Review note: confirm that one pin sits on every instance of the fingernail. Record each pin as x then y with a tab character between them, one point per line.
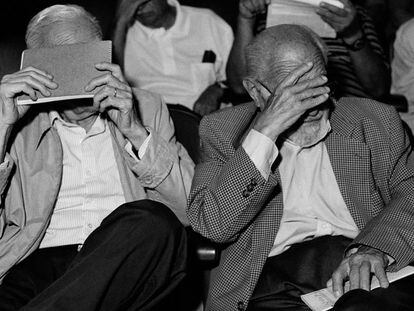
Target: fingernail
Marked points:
47	93
324	78
309	63
337	294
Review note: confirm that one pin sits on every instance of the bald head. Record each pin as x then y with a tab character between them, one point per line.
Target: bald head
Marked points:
276	51
62	24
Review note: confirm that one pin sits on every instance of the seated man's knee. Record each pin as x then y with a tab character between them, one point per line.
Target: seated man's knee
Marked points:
361	300
154	216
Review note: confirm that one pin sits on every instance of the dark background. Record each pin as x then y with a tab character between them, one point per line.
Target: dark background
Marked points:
15	14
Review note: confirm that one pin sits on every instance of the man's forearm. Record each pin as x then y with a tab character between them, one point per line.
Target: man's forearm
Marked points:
236	67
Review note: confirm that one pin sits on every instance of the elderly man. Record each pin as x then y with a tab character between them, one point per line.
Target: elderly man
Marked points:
66	167
177	51
295	180
356	59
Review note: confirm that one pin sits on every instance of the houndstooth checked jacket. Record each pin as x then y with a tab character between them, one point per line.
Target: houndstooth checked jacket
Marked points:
231	203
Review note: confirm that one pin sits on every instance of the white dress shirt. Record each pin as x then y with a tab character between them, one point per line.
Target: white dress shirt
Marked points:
169	62
312	203
91	188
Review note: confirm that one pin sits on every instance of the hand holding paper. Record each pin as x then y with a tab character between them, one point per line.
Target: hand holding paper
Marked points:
112	94
344	20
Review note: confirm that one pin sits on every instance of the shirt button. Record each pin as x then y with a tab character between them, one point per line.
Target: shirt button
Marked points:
246	194
253	181
250	187
90	226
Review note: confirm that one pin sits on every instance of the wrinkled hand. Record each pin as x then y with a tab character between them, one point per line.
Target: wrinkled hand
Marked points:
209	100
290	100
114	96
29	81
344	21
248	9
357	267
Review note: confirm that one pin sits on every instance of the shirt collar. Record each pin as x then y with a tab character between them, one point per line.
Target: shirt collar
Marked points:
98	127
181	25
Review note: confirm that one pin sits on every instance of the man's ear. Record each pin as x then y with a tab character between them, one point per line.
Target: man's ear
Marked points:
254	89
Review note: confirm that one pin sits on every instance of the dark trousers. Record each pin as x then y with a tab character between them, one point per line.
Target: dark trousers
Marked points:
306	267
134	261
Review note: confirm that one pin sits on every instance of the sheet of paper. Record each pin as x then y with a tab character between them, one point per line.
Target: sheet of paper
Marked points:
337	3
298	13
324	299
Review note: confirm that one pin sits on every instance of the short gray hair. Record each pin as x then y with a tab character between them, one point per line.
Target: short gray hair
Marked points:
38	25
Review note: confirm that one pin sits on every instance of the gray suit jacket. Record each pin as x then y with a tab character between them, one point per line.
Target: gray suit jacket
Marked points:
369	152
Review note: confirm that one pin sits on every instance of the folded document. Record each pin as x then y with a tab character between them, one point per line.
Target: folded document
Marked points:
324	299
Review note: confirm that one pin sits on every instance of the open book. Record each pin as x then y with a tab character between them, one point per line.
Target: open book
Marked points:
71	65
300	12
324	299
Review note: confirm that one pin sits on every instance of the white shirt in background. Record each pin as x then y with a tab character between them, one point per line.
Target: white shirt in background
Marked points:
169	62
312	203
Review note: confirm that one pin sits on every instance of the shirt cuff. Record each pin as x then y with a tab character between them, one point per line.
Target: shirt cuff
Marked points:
261	150
5	164
141	150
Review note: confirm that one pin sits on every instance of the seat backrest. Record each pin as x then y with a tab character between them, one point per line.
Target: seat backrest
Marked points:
186	123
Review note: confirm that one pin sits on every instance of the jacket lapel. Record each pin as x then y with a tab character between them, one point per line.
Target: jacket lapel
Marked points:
351	162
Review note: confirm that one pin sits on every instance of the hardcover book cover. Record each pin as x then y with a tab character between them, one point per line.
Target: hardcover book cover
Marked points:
72	67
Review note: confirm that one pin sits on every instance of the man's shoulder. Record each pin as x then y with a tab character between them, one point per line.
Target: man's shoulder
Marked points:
357	110
229	120
150	105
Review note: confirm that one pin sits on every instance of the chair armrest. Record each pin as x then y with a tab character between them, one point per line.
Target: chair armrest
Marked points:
398	101
202	252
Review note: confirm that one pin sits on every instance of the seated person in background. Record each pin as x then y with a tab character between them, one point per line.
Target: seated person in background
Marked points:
402	68
177	51
294	180
66	167
356	59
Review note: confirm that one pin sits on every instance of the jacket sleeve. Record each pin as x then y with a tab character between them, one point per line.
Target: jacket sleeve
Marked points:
228	191
166	169
392	231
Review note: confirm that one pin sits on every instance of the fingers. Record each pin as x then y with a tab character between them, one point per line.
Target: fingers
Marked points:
106	79
332	9
354	276
114	69
107	97
41	72
295	75
28	81
365	275
34	84
381	275
310	84
338	279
